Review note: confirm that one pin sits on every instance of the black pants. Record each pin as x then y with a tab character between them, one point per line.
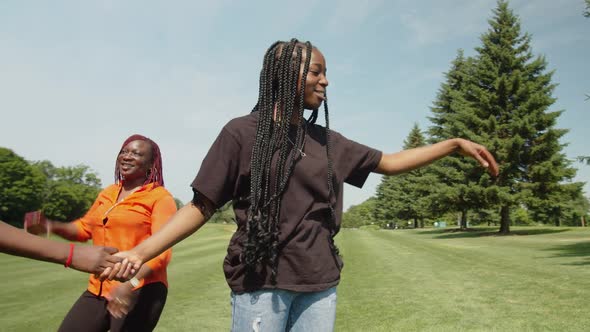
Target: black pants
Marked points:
90	314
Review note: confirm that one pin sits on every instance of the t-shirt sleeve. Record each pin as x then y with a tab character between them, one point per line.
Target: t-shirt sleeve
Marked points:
219	170
353	160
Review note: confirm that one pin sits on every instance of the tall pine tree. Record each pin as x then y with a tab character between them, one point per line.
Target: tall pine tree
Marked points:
405	196
510	100
461	185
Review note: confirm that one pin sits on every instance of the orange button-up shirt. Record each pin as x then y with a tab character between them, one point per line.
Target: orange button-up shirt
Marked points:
125	224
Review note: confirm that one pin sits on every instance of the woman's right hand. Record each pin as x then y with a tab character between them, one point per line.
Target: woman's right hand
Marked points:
124	270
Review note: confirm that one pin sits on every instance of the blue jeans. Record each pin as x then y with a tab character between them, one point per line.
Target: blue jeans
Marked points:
271	310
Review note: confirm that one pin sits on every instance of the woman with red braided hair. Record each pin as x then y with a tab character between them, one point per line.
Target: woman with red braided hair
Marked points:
123	215
285	176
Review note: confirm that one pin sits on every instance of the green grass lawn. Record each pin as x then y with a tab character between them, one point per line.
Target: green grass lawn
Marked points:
402	280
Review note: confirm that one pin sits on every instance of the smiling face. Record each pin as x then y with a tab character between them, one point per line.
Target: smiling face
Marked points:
316	81
135	160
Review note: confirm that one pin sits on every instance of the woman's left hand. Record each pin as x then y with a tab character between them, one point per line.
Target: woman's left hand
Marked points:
121	300
479	153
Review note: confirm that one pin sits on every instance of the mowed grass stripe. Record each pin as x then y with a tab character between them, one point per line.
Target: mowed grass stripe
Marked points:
38	301
410	280
36	295
48	290
198	298
461	277
486	283
383	274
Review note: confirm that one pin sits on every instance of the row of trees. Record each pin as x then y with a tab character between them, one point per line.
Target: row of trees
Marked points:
63	193
499	98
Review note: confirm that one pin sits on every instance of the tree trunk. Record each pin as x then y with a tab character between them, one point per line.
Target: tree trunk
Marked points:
583	220
464	219
557	214
504	219
415	222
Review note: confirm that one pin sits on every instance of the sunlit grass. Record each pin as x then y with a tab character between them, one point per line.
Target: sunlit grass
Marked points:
402	280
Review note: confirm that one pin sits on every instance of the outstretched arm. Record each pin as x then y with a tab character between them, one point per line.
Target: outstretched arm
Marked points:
407	160
92	259
42	226
184	223
66	230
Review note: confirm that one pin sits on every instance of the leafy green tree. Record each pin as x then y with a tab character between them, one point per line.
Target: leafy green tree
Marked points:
552	202
510	101
520	216
359	215
406	196
587	11
21	187
69	191
576	211
225	215
485	216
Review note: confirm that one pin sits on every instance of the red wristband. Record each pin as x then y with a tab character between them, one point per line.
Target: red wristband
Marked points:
70	256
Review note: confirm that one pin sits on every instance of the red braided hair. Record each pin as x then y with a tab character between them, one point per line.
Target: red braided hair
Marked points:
156	174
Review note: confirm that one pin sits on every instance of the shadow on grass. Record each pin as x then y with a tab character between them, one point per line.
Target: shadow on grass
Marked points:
579	249
456	233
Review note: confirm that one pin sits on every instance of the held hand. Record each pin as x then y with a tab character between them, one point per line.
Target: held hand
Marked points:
479	153
94	259
121	300
124	270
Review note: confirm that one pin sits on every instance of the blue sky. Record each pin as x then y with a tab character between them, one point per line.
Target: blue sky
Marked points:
78	77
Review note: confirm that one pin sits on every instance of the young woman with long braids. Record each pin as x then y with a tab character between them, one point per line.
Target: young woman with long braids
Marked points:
123	215
285	176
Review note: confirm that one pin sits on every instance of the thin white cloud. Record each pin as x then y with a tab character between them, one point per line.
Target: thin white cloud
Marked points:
441	21
344	16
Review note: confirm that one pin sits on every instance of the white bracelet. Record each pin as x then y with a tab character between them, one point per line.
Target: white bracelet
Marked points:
134	282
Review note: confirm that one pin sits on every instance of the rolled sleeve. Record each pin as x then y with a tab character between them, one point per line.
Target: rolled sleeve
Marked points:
84	224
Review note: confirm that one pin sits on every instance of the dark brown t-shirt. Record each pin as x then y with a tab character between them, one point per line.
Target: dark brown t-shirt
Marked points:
305	263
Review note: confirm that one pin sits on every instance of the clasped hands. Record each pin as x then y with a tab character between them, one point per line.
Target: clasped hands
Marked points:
124	270
123	298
